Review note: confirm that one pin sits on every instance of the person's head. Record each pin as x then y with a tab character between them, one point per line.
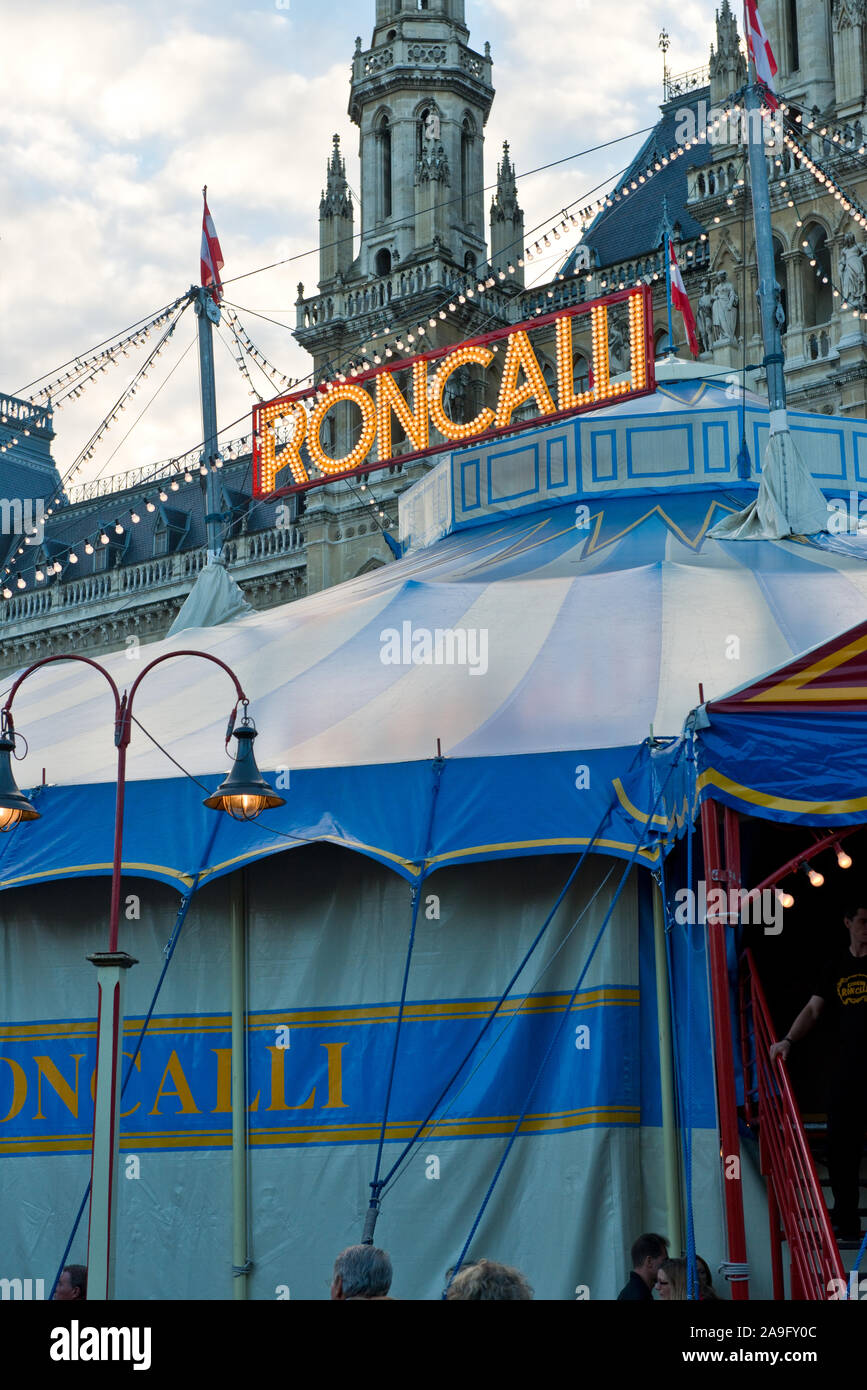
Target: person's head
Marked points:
361	1271
671	1280
72	1283
487	1280
705	1282
855	919
647	1255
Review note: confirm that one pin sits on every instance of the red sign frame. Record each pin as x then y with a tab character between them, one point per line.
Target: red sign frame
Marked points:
603	393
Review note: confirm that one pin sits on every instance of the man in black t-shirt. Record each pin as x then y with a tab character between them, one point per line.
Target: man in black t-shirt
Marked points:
647	1254
841	992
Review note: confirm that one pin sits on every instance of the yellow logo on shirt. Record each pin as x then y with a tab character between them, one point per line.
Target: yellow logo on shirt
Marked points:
852	989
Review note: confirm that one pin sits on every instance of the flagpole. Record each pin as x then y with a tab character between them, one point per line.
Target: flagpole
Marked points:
666	251
768	289
208	313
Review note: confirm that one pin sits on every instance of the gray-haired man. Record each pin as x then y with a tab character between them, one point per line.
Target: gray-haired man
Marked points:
361	1272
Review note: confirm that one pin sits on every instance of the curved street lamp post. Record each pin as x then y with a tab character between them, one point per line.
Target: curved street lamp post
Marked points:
244	794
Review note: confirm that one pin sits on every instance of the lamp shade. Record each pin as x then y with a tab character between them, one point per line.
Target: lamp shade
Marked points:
14	806
244	794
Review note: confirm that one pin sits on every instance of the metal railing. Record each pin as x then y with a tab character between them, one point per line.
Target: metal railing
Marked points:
681	83
796	1206
146	578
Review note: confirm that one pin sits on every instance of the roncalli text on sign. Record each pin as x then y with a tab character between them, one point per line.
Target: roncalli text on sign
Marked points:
287	432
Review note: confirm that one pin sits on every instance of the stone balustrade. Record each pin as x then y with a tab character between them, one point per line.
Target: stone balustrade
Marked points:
149	578
381	297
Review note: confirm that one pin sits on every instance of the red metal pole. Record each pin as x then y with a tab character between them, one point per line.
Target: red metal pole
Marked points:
114	915
724	1055
776	1242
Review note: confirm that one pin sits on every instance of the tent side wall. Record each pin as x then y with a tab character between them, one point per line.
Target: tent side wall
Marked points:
327	945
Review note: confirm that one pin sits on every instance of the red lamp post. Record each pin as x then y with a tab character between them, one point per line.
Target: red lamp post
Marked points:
244	795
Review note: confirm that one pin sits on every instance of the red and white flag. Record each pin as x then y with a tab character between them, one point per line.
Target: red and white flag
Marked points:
212	256
761	52
680	301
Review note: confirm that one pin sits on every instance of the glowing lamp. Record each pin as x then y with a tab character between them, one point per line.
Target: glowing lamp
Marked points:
244	794
786	899
844	860
14	806
815	877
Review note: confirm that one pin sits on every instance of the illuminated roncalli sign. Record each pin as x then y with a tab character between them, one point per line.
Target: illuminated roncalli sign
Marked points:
290	433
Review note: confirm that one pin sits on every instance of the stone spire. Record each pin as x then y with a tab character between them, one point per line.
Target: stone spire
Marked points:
336	201
507	219
728	69
336	223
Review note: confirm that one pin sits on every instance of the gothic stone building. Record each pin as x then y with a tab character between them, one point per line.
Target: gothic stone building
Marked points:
420	96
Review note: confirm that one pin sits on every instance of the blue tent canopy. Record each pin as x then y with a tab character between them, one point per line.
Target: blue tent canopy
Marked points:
489	643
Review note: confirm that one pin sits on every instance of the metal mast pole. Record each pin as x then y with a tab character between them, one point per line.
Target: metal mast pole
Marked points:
666	251
767	292
208	314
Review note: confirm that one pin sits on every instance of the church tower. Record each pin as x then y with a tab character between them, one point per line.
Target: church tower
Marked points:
336	220
420	97
728	69
507	219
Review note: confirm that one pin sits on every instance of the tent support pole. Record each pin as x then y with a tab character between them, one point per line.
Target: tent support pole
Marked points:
716	877
674	1226
241	1265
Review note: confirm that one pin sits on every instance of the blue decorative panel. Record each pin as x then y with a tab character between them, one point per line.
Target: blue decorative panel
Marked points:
470	488
860	442
649	448
557	463
824	451
513	473
717	457
603	456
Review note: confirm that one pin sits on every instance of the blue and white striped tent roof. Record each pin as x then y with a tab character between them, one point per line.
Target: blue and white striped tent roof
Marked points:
592	636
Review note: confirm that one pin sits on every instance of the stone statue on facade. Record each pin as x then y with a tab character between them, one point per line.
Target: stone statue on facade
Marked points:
853	280
704	317
618	350
724	311
432	128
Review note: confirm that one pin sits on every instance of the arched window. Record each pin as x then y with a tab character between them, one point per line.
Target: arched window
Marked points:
818	297
383	136
780	277
663	344
794	37
467	135
383	262
470	261
581	373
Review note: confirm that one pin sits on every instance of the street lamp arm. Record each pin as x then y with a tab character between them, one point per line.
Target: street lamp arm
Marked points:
45	661
169	656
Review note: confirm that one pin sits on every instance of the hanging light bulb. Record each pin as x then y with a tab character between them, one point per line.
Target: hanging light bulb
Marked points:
844	860
134	518
88	548
814	876
103	538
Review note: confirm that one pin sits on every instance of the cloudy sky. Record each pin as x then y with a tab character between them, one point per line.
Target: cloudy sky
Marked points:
113	116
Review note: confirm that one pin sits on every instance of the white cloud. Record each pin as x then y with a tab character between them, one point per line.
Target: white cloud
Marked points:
112	116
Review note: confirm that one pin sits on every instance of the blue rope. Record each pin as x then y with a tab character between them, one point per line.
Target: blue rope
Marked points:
517	1127
168	951
376	1185
499	1004
691	1268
